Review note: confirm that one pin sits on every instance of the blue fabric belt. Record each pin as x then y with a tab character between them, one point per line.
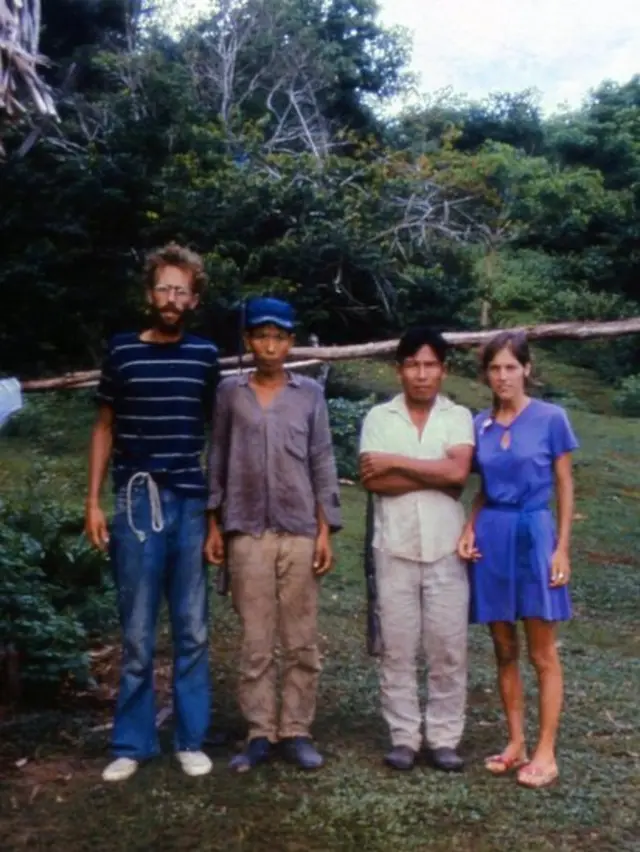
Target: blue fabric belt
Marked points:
515	508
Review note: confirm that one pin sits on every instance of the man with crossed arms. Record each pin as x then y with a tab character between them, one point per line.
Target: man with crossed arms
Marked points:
415	456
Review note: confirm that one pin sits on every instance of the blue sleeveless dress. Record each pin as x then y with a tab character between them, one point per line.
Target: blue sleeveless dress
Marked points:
515	531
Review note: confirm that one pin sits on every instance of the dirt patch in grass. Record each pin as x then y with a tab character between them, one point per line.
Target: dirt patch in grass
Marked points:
609	558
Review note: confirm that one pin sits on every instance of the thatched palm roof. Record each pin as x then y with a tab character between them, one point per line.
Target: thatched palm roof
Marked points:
19	60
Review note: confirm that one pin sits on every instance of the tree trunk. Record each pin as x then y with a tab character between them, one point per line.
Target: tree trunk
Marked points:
485	314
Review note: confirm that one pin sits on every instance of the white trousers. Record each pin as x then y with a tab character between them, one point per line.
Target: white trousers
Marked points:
423	604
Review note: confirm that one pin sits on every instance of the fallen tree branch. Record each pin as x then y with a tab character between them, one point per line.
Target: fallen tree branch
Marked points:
464	339
307	356
90	378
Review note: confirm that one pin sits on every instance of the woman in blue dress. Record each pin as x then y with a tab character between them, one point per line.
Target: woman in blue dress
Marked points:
519	558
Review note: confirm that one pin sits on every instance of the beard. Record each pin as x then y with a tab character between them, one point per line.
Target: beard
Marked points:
168	321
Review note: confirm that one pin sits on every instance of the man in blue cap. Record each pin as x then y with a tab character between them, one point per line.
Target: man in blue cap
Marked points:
273	494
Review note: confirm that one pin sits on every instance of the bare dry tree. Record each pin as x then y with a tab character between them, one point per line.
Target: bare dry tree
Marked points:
19	60
425	211
246	53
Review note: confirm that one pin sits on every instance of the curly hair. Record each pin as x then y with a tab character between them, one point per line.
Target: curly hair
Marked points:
176	255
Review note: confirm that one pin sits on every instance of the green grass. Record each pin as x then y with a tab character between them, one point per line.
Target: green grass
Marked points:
58	801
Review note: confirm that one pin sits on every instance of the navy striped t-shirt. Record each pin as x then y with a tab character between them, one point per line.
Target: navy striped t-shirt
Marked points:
162	396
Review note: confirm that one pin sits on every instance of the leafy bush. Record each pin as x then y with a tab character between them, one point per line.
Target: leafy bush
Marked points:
346	418
54	594
610	358
627	399
519	284
345	388
464	362
528	287
53	422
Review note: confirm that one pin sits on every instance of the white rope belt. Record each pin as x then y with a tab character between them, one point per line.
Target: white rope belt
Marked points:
157	520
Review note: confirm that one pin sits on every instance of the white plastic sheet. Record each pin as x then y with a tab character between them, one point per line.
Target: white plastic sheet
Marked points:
10	399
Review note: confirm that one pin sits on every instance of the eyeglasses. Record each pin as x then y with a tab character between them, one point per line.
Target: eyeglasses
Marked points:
165	290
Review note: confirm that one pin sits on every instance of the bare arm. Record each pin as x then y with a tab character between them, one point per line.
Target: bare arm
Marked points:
467	549
379	479
397	484
441	473
478	502
323	555
390	484
565	499
99	453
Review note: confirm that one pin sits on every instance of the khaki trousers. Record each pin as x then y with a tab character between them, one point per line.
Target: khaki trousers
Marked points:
275	593
423	604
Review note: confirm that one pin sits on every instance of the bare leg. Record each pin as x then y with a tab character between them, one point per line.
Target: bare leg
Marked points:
505	643
543	653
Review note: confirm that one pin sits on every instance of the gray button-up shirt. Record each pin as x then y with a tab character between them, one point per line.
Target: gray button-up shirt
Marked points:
270	468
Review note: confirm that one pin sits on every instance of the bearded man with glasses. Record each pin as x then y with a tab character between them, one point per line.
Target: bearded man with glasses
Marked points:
155	396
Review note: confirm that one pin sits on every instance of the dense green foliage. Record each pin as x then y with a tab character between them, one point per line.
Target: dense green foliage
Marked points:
254	136
627	400
346	418
54	594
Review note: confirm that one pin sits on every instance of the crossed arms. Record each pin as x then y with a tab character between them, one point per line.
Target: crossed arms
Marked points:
391	475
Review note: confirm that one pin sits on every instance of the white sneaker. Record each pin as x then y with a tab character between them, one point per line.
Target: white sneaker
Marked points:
120	769
194	763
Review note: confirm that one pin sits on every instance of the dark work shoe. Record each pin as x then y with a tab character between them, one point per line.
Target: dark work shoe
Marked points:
400	757
257	750
446	759
301	750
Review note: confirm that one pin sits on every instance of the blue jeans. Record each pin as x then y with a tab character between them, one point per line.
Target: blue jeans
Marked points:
147	563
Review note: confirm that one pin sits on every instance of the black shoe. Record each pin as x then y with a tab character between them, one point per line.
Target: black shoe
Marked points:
257	750
400	757
301	751
446	759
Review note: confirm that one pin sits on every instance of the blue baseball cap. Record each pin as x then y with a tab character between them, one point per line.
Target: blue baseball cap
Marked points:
268	311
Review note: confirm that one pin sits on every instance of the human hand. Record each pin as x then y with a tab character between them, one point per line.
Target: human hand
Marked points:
323	555
560	569
214	546
95	527
467	549
376	464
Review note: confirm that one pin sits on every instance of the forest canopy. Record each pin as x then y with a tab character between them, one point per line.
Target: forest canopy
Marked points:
257	136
